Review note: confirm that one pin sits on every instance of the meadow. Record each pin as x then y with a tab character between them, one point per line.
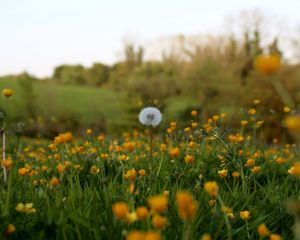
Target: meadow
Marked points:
84	157
203	181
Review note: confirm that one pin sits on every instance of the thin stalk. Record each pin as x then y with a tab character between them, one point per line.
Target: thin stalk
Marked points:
228	225
160	164
4	155
248	235
151	144
283	93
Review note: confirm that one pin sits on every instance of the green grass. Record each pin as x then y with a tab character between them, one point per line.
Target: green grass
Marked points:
80	207
89	106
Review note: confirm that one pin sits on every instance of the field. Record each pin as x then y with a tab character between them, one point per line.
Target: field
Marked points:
204	181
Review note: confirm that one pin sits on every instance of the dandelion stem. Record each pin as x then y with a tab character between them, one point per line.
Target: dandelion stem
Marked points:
151	144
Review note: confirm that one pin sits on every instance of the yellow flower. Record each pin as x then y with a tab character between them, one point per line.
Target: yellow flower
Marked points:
158	221
275	236
130	175
292	122
244	122
10	229
94	169
295	169
88	131
262	230
194	125
187	208
250	162
23	171
131	217
158	203
101	138
151	235
173	125
245	215
252	111
142	172
235	174
60	168
189	158
54	181
222	173
7	92
194	113
256	169
206	236
163	147
135	235
211	188
174	152
120	210
286	109
267	64
142	213
256	101
25	208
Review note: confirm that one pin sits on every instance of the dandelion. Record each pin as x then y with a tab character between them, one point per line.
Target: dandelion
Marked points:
150	116
120	210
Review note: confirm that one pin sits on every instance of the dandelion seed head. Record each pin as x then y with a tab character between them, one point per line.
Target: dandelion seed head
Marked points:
150	116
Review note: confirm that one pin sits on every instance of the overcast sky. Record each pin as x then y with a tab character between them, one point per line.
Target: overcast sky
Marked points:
37	35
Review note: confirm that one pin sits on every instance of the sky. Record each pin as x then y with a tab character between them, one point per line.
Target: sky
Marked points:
37	35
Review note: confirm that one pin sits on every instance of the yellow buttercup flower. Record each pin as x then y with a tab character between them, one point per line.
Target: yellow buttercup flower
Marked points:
158	221
120	210
245	215
211	188
158	203
262	230
268	64
292	122
187	207
7	92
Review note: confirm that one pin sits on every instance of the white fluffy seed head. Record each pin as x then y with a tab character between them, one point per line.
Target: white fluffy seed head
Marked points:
150	116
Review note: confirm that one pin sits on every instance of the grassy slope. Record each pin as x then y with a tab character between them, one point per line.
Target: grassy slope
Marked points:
88	105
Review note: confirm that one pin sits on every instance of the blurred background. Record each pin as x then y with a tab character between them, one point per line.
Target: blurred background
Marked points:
80	64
